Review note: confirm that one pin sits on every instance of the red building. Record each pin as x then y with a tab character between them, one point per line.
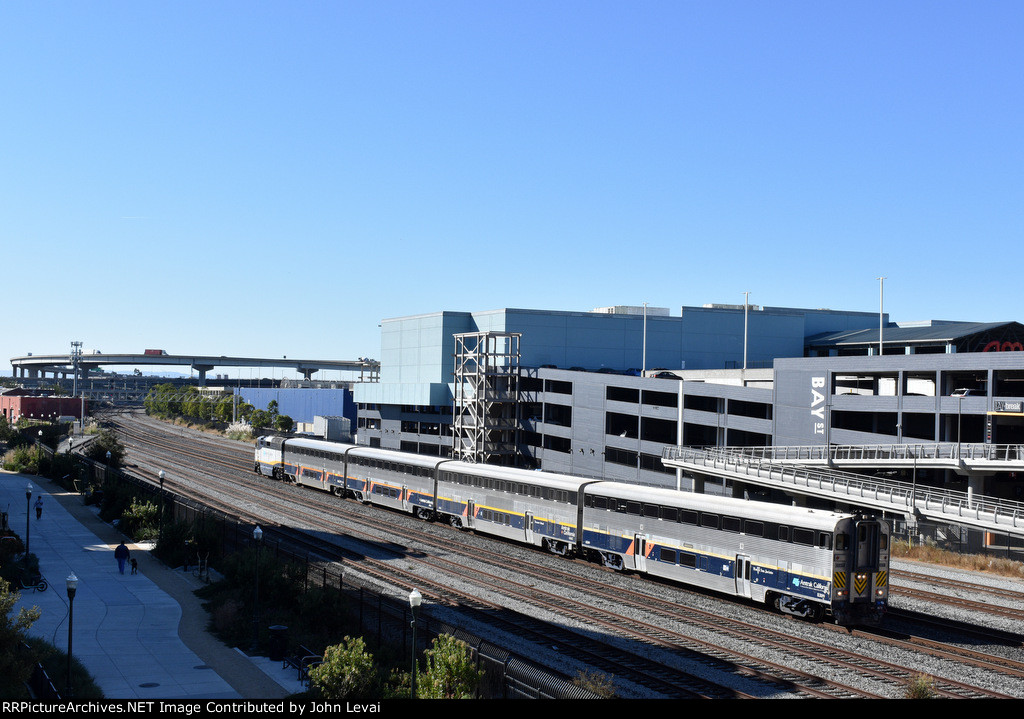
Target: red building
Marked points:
18	403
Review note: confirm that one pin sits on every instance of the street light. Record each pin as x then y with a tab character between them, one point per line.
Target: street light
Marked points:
257	534
72	585
161	529
415	599
28	524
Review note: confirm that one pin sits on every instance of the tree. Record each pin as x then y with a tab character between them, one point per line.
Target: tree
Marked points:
245	411
259	419
105	442
13	630
225	409
451	672
347	672
283	423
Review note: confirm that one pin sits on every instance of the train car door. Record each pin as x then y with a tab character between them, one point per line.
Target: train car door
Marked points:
743	575
405	498
640	553
470	513
528	526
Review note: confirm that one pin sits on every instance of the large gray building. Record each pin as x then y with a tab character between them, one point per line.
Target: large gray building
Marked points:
603	393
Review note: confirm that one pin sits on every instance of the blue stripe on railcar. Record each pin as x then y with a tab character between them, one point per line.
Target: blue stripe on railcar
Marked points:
771	577
603	541
421	499
555	530
357	484
451	506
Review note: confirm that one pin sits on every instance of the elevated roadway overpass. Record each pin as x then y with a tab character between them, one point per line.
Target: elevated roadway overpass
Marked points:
812	476
77	365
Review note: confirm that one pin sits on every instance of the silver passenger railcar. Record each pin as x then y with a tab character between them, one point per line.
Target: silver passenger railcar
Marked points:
538	508
800	561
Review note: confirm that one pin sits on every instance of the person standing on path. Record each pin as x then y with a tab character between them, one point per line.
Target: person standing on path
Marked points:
121	555
39	507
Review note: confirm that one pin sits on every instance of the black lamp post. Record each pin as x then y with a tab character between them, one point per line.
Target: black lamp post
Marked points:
72	585
160	530
28	524
415	599
257	534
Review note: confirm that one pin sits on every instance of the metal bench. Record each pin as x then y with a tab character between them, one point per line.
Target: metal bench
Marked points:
302	660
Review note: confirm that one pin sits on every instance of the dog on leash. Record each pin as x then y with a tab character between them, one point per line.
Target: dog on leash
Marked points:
135	566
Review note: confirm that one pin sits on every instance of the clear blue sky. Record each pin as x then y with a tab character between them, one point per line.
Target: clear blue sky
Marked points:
274	178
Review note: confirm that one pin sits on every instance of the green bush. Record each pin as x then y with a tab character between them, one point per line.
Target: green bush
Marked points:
105	442
348	672
141	520
15	665
450	671
25	458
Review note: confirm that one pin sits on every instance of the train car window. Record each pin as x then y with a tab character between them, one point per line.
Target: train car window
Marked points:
842	542
732	524
670	514
783	534
687	560
709	520
598	502
687	516
652	510
754	529
633	508
803	536
824	540
667	555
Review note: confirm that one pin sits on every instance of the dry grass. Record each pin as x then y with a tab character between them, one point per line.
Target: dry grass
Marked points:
974	562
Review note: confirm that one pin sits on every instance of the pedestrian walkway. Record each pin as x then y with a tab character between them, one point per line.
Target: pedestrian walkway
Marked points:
141	636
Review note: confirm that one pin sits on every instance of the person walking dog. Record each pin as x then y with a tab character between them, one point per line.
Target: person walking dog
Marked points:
121	555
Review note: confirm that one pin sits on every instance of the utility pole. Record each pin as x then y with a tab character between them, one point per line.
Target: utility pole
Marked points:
881	289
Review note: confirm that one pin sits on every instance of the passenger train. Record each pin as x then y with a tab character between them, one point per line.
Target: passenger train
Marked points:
803	562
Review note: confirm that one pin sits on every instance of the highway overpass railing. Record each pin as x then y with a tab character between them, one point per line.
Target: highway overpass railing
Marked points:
907	498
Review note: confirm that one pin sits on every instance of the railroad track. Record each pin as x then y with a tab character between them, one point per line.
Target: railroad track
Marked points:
655	632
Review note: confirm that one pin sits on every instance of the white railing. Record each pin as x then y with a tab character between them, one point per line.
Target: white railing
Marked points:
903	497
949	451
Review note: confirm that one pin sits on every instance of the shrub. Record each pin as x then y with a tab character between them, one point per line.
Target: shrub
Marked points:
15	668
348	672
141	520
596	683
239	430
921	686
25	459
450	671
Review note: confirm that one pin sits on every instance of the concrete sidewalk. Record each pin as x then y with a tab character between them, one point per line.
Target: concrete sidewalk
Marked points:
141	636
